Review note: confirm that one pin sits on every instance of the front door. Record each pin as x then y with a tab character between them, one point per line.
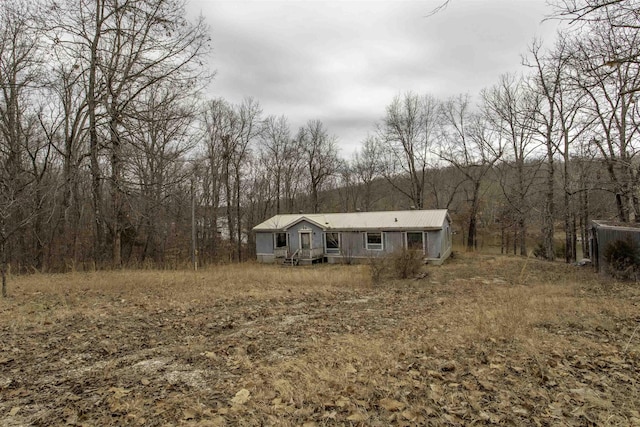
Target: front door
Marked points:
305	243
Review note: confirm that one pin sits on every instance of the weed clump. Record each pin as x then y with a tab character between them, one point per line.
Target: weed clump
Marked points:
540	251
406	263
377	269
401	264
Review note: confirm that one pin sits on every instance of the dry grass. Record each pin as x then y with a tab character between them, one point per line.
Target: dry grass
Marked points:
482	339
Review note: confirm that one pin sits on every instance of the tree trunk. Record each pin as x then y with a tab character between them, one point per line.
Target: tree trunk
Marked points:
471	239
522	230
98	242
115	195
238	214
549	212
4	280
3	268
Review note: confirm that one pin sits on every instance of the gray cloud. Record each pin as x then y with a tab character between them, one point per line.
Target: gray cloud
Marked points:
343	61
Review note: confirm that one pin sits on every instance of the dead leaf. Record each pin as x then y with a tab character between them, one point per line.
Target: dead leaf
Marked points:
391	405
357	417
435	374
409	415
520	411
342	402
119	392
241	397
486	386
330	415
518	369
188	414
217	421
14	411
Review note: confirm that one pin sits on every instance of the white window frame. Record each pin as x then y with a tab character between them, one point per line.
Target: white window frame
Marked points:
310	233
337	250
424	239
275	240
368	245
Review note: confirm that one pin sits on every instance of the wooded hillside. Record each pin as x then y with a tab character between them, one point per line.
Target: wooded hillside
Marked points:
111	155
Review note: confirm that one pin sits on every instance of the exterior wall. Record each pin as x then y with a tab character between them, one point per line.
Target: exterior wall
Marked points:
434	244
265	251
352	247
264	243
605	236
438	246
266	258
439	243
351	244
316	237
393	241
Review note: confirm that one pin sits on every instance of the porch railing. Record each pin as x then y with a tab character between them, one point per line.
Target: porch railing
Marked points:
311	253
281	252
302	253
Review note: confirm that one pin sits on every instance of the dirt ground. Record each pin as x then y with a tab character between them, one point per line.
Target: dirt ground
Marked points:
486	341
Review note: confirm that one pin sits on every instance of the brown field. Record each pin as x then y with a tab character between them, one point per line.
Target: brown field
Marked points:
480	340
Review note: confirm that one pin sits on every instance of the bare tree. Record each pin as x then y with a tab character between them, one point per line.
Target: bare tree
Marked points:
620	13
560	124
471	146
159	141
367	168
320	155
64	121
508	106
347	185
249	114
216	128
125	48
231	131
19	53
612	104
279	154
407	134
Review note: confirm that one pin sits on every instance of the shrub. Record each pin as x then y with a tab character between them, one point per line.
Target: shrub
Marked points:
377	269
401	264
623	259
406	263
541	253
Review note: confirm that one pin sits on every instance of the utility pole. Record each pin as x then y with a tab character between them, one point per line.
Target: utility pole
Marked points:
3	265
194	248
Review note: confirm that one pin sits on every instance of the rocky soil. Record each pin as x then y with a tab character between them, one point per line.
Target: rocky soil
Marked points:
447	349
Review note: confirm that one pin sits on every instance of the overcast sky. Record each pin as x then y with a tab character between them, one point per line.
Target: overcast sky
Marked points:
342	62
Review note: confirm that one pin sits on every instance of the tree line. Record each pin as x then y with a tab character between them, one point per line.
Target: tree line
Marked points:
111	155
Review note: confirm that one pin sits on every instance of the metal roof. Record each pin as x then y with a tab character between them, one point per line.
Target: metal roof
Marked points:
632	226
383	220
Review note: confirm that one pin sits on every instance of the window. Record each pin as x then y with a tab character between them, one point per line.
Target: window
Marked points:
281	240
332	243
373	241
415	240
